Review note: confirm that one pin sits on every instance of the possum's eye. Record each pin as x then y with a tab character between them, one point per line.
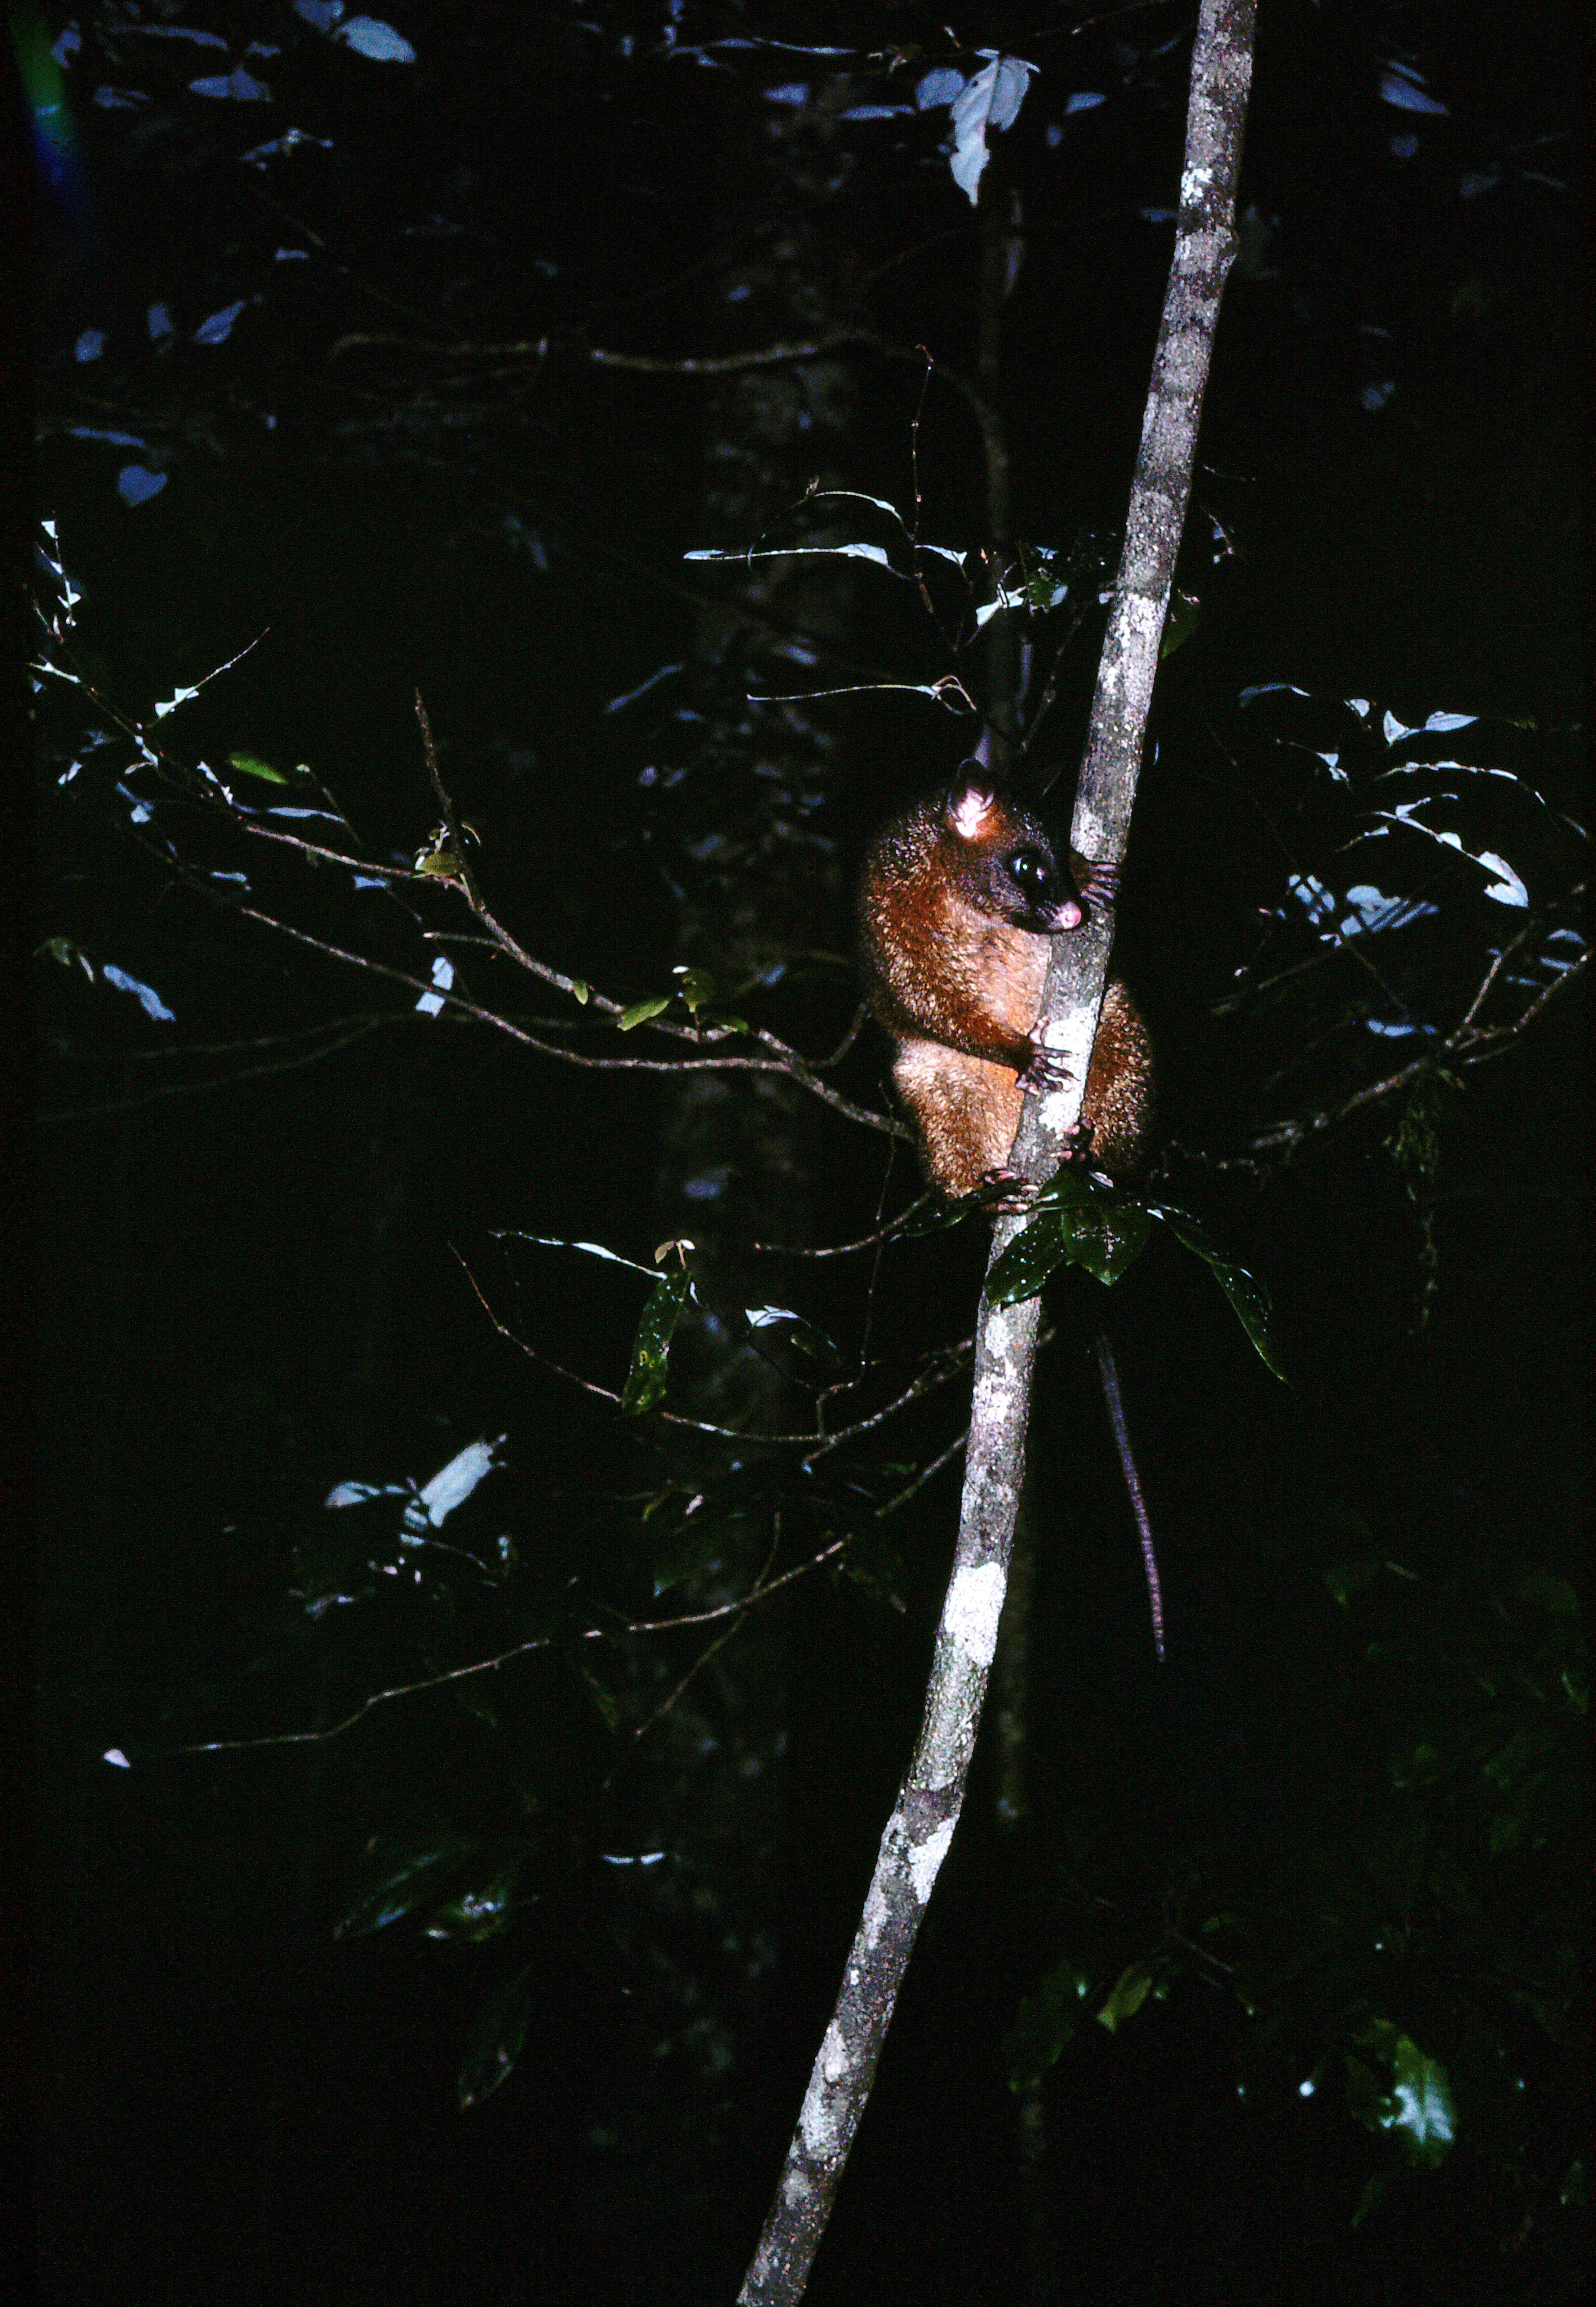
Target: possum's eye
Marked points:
1032	871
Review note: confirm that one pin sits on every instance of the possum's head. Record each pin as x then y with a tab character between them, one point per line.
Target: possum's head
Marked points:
1006	860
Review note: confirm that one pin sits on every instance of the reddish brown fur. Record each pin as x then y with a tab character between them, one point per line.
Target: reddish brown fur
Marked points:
957	980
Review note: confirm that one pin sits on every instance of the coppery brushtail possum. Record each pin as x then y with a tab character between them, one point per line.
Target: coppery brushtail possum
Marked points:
958	898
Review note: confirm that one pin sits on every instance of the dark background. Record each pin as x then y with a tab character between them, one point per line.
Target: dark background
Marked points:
399	468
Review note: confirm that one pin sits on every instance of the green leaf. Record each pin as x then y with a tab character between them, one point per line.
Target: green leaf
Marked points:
640	1012
1126	1996
1417	2110
588	1248
1503	1835
494	2042
1076	1222
1249	1301
1373	2192
803	1334
1180	621
1510	1762
696	988
63	949
1036	1251
1450	1885
1041	593
1552	1593
604	1702
1346	1578
477	1914
251	765
876	1567
646	1379
1044	2023
817	1345
1427	2118
687	1548
396	1886
1113	1239
1416	1763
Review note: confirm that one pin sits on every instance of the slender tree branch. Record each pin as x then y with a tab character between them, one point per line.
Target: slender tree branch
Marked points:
736	1609
205	792
815	1446
922	1821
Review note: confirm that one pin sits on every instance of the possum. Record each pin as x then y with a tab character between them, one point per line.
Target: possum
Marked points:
958	899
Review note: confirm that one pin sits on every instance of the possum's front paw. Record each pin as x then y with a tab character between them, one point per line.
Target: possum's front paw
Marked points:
1009	1193
1045	1069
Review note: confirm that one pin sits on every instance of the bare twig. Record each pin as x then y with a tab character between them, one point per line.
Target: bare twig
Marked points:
815	1446
327	1040
1467	1045
205	792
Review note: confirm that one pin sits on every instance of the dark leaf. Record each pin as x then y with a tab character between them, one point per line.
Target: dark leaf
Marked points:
1044	2023
494	2043
398	1885
479	1914
1249	1301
